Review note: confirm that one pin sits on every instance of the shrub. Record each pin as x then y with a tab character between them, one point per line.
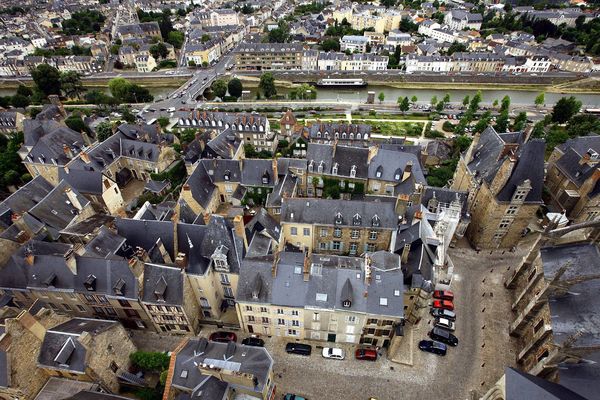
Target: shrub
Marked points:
150	361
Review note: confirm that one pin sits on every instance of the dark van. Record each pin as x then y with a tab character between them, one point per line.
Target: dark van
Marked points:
298	348
442	335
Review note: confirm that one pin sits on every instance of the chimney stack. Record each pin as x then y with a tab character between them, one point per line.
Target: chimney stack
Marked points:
240	229
31	323
85	157
181	260
405	252
275	171
306	267
67	150
73	199
407	171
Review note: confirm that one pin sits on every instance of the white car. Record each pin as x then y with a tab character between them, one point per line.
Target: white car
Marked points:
444	323
334	353
171	109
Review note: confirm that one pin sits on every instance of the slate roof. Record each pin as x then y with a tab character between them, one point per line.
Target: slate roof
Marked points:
286	186
324	211
530	166
262	222
447	196
254	171
521	385
24	199
56	210
112	277
165	280
49	148
105	244
198	351
61	349
573	151
145	233
344	156
389	163
83	180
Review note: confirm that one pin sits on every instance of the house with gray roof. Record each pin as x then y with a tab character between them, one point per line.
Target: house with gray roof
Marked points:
504	175
302	293
208	370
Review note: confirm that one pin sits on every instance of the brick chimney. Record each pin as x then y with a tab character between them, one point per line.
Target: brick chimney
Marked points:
85	157
181	260
407	171
186	187
405	252
240	229
67	150
306	266
31	323
275	171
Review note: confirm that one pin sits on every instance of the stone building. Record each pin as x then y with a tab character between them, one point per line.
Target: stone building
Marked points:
395	174
288	124
572	180
269	56
209	370
342	133
503	174
337	226
330	298
555	304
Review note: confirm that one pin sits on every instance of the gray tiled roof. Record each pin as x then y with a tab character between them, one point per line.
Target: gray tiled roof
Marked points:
521	385
157	275
344	156
106	275
389	163
530	166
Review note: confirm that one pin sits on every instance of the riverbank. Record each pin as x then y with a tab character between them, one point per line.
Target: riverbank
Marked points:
168	81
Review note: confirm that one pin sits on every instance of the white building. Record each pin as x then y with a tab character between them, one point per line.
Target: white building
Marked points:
354	43
461	19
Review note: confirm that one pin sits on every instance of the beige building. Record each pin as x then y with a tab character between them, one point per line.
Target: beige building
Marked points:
328	298
503	174
269	56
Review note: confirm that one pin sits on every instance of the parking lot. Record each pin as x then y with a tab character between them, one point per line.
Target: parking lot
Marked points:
485	348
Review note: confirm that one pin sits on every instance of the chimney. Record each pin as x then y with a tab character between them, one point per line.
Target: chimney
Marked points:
368	272
407	171
335	142
274	266
275	171
206	218
186	187
85	339
85	157
306	267
29	257
73	199
405	252
372	152
31	323
68	151
231	152
240	230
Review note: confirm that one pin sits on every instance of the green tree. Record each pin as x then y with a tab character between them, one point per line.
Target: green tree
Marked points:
176	38
191	63
404	105
434	101
330	44
70	83
440	106
484	122
119	87
495	103
540	99
387	3
474	105
83	22
414	99
163	122
505	104
281	34
446	98
150	361
565	109
205	38
456	48
502	122
19	101
381	97
104	130
76	123
47	79
159	50
24	91
466	100
267	85
463	143
235	87
219	88
127	92
520	121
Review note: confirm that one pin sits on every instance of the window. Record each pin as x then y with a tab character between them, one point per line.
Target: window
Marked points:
336	246
351	319
97	310
355	234
132	313
103	299
81	308
292	332
353	248
373	235
89	299
370	248
383	301
228	292
295	313
248	308
280	321
111	311
124	303
504	223
316	269
371	321
306	231
519	195
337	232
225	279
323	232
263	309
67	307
293	231
113	366
280	311
353	172
265	320
316	317
295	322
512	210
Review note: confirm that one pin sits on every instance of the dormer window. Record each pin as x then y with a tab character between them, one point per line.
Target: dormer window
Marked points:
379	172
375	221
265	178
160	289
334	170
319	134
343	135
90	283
311	166
351	136
320	167
338	219
227	175
398	174
346	304
119	287
357	219
353	172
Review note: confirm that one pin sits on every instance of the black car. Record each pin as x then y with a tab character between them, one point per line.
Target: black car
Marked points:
443	313
431	346
298	348
442	335
253	341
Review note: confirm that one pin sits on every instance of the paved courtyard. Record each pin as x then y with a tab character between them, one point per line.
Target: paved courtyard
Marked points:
485	348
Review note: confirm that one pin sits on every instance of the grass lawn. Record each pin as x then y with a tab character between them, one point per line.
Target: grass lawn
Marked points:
396	128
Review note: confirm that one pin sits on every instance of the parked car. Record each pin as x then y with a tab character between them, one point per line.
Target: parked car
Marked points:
253	341
445	304
442	335
431	346
298	348
443	295
443	313
333	352
223	337
290	396
366	354
444	323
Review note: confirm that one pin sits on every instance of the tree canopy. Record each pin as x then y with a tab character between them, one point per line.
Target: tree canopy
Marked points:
47	79
267	85
565	108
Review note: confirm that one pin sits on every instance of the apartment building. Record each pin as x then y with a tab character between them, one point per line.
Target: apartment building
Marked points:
144	63
338	227
224	17
336	61
504	175
394	173
354	44
209	370
460	19
342	133
269	56
572	178
328	298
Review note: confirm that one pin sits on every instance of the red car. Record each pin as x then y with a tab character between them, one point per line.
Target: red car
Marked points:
366	354
445	304
223	337
443	295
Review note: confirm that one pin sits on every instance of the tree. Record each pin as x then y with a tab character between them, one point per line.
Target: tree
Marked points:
159	50
456	48
404	104
267	85
381	97
446	98
19	101
440	106
150	361
502	122
495	103
119	88
235	87
103	131
83	22
76	123
127	92
47	79
330	44
474	105
540	99
281	34
434	101
388	3
505	103
205	38
463	143
176	38
520	121
191	63
484	122
70	82
24	91
219	88
118	64
163	122
466	100
414	99
565	109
